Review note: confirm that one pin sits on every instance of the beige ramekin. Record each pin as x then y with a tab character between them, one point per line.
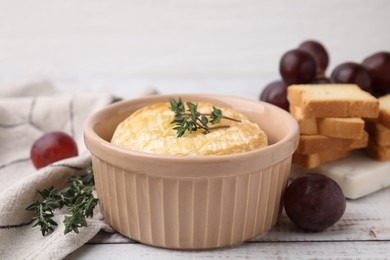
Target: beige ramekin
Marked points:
192	202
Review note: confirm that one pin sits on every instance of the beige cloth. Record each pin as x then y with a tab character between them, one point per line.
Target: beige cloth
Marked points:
26	112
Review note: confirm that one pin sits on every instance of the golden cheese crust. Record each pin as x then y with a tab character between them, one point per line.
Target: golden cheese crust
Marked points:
149	130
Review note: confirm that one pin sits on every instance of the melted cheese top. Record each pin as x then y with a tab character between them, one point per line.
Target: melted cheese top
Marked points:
149	130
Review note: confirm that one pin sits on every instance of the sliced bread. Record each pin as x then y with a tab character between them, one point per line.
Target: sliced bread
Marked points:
350	128
378	152
332	100
378	132
317	143
384	110
309	161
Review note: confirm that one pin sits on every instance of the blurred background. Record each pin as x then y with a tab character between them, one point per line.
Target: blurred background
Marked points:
218	46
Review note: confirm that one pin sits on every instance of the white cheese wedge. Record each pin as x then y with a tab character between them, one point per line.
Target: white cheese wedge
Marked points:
150	130
358	175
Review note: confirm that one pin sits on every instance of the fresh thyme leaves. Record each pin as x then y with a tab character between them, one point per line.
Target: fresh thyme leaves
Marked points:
44	210
78	199
216	115
191	120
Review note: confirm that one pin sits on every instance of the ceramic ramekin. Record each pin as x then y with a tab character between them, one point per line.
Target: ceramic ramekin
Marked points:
192	202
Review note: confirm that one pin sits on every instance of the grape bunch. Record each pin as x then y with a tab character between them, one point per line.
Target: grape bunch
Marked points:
307	64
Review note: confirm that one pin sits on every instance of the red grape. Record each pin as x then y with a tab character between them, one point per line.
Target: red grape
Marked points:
319	53
297	67
350	72
276	93
321	80
378	66
52	147
314	202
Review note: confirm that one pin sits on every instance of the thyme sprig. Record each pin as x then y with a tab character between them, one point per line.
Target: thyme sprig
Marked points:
77	198
191	120
44	210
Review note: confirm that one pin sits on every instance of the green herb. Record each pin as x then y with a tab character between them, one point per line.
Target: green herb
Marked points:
191	120
77	198
44	210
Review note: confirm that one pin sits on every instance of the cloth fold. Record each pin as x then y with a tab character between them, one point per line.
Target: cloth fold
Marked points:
26	112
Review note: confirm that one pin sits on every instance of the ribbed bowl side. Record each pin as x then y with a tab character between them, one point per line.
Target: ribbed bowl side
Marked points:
190	213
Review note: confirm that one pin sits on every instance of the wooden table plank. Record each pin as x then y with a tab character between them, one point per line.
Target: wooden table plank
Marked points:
254	250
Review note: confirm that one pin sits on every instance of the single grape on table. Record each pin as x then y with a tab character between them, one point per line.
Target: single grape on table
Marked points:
314	202
52	147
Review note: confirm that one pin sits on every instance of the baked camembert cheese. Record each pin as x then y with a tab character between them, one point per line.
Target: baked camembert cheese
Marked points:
149	130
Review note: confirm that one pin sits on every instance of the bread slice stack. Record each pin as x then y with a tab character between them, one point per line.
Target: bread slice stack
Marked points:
330	117
379	130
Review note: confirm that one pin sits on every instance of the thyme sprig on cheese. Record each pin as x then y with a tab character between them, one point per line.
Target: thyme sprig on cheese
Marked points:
191	120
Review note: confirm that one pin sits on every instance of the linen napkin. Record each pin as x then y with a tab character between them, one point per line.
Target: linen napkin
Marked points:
26	112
